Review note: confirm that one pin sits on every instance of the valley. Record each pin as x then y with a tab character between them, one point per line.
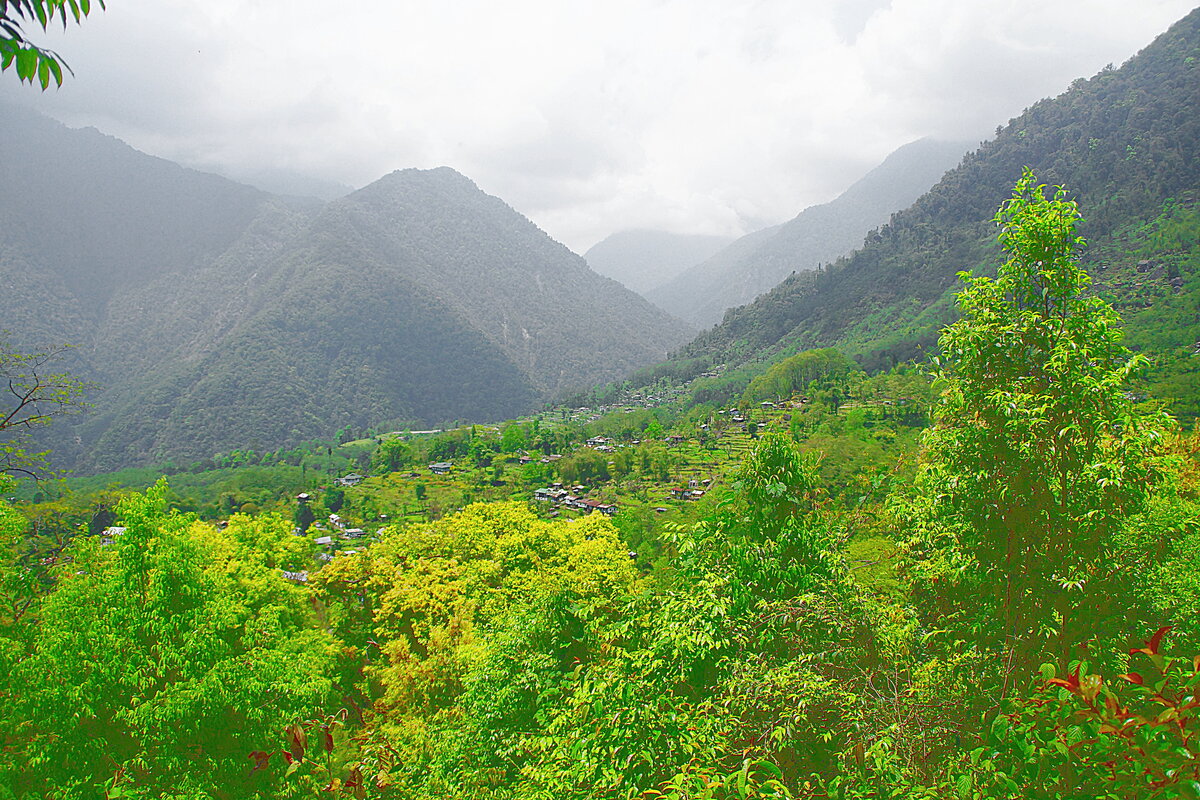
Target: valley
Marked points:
393	496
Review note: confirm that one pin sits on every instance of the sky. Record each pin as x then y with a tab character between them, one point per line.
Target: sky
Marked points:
691	116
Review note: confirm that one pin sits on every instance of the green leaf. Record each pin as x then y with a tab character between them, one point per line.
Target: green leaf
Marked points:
27	61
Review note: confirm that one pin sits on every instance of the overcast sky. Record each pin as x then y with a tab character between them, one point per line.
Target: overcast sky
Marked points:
695	116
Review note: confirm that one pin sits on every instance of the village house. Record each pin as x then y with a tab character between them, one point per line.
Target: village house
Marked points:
596	505
109	534
441	467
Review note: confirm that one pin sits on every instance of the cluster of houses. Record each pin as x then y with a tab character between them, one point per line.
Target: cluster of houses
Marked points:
326	541
559	496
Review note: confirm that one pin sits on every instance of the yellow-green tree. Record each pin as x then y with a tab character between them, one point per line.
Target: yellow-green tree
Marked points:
467	631
160	661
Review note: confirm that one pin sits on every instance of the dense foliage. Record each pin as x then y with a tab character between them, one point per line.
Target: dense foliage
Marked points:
1006	607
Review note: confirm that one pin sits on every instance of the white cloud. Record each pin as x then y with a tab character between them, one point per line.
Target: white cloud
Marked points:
700	116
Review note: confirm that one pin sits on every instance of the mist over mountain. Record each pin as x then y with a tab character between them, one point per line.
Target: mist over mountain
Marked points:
288	182
819	234
1126	143
645	259
213	315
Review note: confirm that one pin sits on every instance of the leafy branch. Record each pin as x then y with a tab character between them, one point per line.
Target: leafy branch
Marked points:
34	63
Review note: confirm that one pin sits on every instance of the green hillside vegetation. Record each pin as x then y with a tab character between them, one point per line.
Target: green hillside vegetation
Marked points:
1125	141
977	582
925	524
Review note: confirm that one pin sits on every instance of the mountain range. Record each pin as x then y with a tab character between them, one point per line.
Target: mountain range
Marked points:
1126	143
213	316
643	260
755	263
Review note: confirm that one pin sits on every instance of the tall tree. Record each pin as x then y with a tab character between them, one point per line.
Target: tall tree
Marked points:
1038	454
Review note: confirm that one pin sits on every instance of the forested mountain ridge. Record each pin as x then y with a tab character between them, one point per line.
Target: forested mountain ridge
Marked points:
66	247
1125	141
757	262
214	316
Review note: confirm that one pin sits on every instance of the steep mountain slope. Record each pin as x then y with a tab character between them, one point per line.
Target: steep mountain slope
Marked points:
817	235
86	217
1124	142
645	259
214	316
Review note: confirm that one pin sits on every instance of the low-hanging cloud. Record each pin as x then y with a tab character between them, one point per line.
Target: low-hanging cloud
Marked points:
704	116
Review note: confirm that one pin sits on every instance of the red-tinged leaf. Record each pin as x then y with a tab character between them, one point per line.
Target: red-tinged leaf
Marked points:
287	756
1133	677
298	739
260	760
1196	664
354	782
1071	683
328	742
1151	648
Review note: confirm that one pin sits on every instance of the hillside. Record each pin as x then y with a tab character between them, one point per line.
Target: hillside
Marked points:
1125	142
819	234
214	316
645	259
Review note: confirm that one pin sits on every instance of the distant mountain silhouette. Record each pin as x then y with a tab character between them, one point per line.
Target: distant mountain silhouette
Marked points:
756	263
645	259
